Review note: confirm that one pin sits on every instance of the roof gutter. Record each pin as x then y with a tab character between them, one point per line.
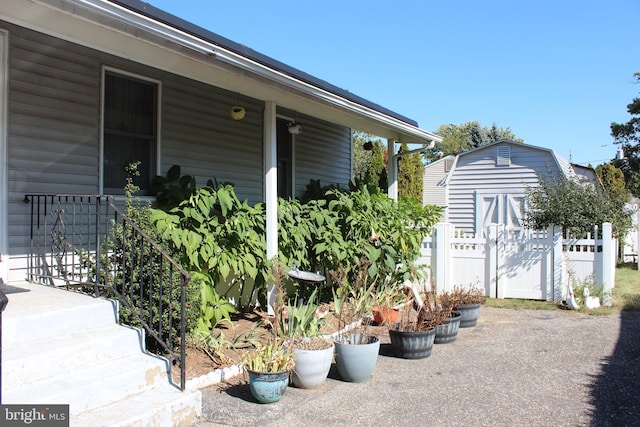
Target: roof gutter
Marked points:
200	45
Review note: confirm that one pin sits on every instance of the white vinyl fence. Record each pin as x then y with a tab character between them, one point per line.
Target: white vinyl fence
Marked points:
519	263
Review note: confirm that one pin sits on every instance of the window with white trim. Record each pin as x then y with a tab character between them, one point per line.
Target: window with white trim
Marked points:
130	130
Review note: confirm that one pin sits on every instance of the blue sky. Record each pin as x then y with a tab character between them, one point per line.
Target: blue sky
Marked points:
557	72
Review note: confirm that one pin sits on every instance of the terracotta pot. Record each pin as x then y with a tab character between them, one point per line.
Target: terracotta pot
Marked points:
383	314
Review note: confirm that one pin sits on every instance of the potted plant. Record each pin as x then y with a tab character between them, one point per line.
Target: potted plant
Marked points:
312	352
440	307
414	335
388	301
467	301
269	365
268	368
356	350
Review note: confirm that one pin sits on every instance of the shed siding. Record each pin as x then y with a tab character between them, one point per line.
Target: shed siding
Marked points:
477	171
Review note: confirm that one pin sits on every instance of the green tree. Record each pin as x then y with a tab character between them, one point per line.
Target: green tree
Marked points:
628	135
612	179
361	156
460	138
577	206
378	167
410	170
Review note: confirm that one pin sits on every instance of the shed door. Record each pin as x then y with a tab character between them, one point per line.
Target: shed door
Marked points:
499	208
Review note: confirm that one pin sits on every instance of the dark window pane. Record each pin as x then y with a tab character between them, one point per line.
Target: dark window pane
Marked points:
285	164
130	118
119	151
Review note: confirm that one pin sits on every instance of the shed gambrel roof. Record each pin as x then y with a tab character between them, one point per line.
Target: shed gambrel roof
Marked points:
563	165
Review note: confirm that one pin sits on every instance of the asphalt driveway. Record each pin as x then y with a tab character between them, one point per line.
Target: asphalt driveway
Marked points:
516	367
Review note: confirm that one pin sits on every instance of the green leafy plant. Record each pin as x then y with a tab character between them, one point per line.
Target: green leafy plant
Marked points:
300	320
216	344
274	356
221	238
172	189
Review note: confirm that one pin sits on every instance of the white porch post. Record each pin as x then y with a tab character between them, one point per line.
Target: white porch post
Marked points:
392	167
271	191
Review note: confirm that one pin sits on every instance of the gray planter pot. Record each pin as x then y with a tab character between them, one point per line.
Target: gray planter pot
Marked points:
412	345
356	362
469	315
448	331
312	367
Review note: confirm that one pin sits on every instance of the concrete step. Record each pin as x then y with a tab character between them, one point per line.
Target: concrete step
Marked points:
93	386
44	312
41	359
61	347
158	407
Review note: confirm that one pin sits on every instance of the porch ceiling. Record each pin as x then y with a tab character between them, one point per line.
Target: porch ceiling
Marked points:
184	50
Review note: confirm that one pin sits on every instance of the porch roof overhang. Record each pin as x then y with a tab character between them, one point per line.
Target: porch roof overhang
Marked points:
138	31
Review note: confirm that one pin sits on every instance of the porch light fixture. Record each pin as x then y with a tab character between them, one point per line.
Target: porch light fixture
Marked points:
294	128
237	112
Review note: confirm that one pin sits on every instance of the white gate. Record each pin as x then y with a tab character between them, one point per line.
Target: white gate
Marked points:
514	262
524	264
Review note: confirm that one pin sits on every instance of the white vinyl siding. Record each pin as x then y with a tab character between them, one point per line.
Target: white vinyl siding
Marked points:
433	188
322	151
199	135
477	172
53	131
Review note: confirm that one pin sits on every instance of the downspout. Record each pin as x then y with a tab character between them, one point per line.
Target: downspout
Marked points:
271	191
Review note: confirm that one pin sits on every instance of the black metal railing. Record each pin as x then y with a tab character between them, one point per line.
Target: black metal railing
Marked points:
86	243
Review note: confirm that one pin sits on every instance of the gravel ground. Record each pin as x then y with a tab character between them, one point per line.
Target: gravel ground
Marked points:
516	367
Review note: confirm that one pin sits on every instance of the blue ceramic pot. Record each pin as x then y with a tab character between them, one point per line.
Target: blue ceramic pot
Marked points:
268	387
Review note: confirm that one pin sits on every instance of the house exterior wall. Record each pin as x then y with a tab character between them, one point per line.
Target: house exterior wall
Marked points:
322	152
434	191
476	171
53	131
